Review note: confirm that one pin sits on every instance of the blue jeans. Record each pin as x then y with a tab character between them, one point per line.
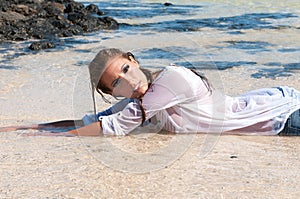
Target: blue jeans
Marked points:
292	125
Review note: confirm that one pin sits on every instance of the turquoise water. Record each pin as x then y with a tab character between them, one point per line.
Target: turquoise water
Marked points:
224	34
261	35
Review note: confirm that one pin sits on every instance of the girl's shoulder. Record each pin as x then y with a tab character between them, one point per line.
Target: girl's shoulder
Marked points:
175	77
173	70
176	68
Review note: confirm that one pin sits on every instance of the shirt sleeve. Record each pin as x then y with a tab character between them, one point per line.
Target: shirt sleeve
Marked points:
91	118
122	122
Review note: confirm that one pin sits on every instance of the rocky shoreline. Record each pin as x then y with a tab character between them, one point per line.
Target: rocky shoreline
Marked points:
47	20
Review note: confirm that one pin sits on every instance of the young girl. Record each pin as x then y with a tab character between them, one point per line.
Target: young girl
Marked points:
180	100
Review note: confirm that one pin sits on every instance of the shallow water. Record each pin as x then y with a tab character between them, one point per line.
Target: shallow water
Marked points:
257	40
256	34
261	35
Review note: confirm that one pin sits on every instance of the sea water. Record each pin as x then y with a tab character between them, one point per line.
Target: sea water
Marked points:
263	35
221	35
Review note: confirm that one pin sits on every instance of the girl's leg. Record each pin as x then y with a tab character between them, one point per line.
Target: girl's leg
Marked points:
292	126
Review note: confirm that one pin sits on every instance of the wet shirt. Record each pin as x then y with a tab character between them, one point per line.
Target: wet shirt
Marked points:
180	102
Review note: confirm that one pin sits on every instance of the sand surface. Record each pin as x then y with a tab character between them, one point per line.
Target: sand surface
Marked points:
136	166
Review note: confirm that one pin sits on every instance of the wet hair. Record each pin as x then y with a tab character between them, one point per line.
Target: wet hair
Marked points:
97	68
204	79
99	64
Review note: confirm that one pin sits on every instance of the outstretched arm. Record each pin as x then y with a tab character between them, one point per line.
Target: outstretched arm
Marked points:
93	129
15	128
44	126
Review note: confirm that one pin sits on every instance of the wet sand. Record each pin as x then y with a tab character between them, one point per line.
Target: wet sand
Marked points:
237	167
77	167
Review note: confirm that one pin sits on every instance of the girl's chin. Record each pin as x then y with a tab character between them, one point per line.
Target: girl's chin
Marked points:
139	92
136	95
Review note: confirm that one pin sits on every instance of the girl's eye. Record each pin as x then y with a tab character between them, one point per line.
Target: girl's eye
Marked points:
125	68
116	82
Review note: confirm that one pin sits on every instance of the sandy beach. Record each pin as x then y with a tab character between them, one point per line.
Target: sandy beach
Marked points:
73	167
53	85
237	167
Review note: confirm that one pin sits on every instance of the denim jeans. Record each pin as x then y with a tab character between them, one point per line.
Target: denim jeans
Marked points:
292	126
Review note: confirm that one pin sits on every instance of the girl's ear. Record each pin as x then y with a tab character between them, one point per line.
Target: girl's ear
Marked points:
133	61
131	57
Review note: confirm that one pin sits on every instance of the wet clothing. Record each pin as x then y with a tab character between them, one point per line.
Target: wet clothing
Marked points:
292	125
182	103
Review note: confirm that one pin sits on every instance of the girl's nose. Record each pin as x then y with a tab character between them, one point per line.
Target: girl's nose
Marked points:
128	79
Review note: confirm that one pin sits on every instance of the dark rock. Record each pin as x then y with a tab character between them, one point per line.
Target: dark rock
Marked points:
108	23
168	4
74	7
11	16
92	8
21	9
48	19
52	9
39	45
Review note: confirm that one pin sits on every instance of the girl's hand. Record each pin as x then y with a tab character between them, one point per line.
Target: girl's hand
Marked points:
7	129
15	128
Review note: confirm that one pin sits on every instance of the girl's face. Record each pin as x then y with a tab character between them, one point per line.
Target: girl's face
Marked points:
124	78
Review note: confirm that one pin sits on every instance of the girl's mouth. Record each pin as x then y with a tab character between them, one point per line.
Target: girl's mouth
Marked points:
137	86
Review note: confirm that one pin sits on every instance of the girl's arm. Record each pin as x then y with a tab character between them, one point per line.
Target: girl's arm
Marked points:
15	128
93	129
44	126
